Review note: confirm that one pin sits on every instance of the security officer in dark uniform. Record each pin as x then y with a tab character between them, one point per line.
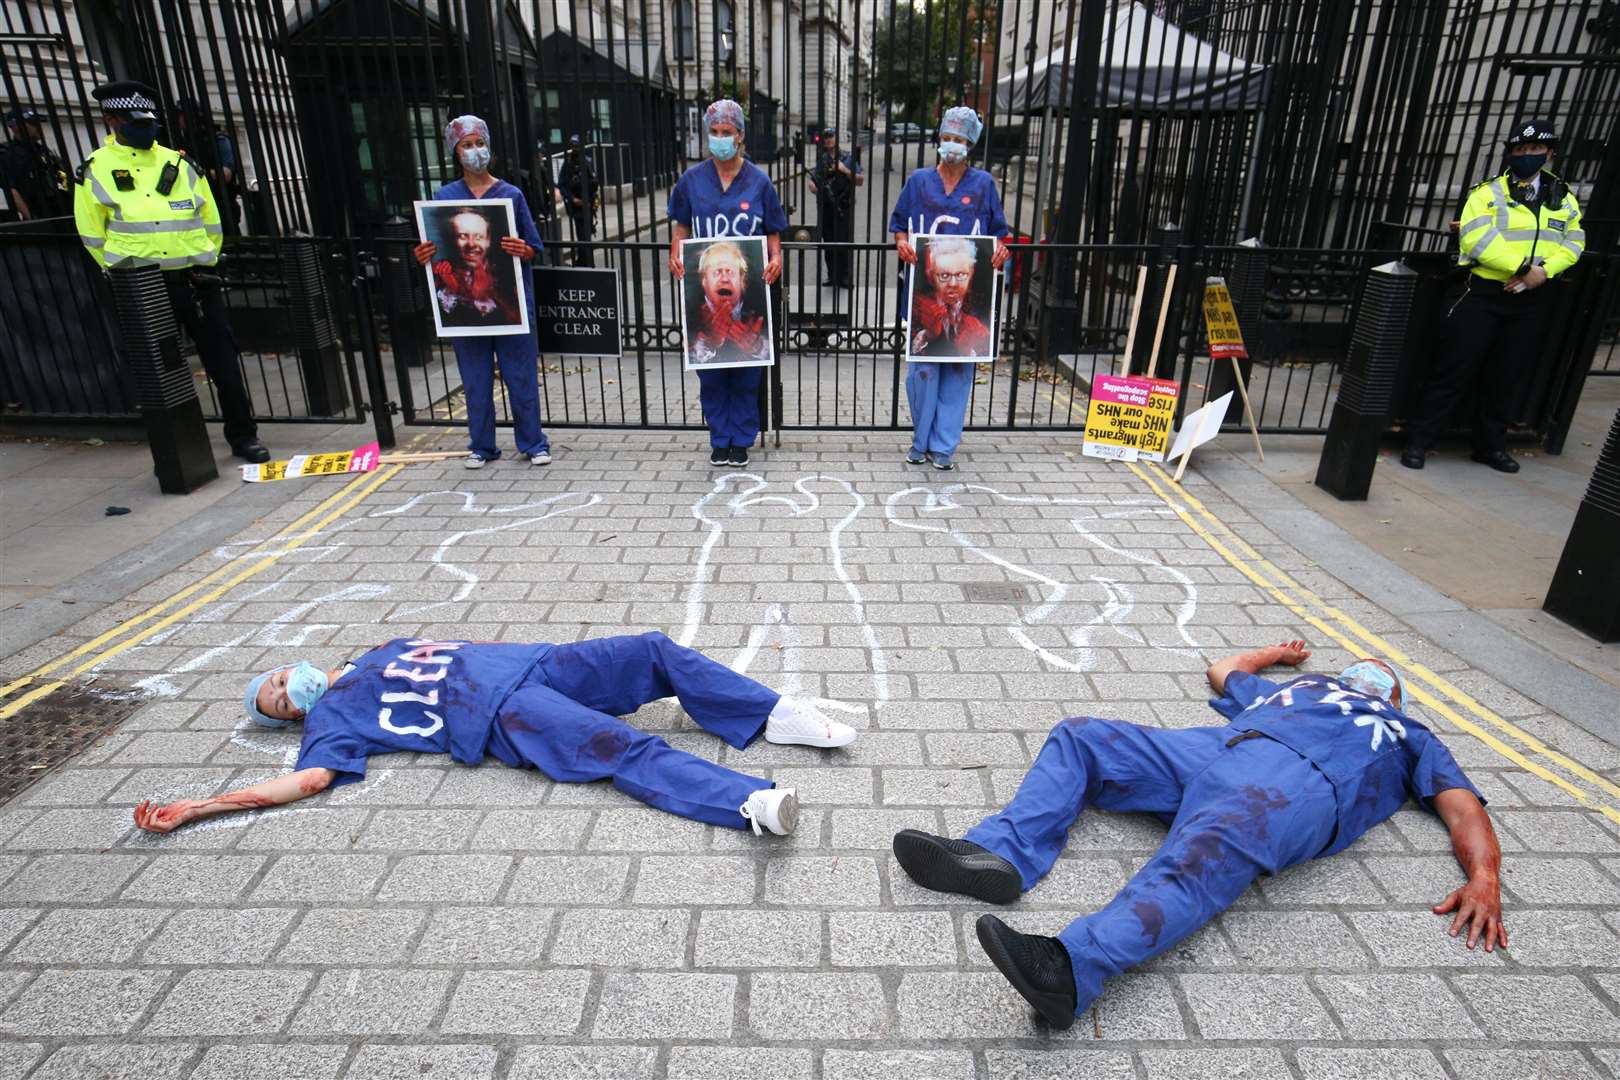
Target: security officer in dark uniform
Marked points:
36	180
578	184
1518	231
140	203
833	181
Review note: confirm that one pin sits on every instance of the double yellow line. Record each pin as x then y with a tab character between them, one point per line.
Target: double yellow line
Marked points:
1445	698
50	677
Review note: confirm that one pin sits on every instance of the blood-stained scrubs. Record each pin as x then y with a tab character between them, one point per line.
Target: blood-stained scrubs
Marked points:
553	707
1303	769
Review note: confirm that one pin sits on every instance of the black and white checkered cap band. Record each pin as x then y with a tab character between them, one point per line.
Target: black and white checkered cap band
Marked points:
134	103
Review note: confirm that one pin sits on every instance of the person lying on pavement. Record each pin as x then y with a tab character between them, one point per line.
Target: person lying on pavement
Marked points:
1302	769
555	708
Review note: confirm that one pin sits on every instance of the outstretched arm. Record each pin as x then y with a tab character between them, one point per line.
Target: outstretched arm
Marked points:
1478	904
286	788
1292	653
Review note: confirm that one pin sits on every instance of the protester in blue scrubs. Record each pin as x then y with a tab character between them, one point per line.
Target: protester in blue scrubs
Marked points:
553	707
1303	769
952	197
466	138
728	195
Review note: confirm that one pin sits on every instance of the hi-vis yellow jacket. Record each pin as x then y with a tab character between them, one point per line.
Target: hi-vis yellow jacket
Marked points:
125	221
1497	234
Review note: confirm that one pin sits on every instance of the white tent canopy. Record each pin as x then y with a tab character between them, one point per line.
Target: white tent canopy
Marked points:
1148	65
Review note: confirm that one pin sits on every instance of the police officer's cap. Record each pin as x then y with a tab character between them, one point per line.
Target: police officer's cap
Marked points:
573	140
829	133
23	114
1531	131
132	99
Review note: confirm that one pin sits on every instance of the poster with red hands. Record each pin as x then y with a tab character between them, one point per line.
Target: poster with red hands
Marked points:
726	305
952	292
475	287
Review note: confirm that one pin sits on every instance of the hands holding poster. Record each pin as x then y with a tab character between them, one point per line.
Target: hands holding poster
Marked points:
476	282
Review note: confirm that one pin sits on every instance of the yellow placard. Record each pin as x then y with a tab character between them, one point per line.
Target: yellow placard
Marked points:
1129	419
360	459
1221	323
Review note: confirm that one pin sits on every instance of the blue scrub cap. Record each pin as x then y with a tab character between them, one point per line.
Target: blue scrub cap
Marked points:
250	700
962	121
460	128
724	111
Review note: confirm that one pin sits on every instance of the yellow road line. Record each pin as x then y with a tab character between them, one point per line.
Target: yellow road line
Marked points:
371	483
1422	680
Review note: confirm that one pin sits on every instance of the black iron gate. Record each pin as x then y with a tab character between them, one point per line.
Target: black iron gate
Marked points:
1332	131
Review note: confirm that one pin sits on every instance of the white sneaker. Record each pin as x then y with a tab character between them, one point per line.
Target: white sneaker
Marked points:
797	723
472	461
542	458
777	809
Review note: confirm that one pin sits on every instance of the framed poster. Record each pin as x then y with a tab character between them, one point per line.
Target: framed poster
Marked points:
577	311
477	288
726	308
951	308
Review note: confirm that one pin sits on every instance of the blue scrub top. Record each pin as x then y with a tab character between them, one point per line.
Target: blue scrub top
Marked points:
971	209
458	191
749	207
431	697
1373	754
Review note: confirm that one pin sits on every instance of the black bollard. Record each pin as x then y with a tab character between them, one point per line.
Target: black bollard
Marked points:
1585	590
1368	382
410	322
314	331
182	457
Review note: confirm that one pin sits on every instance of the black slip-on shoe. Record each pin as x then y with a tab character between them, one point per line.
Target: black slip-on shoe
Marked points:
739	457
1413	457
957	866
719	456
252	451
1500	460
1038	967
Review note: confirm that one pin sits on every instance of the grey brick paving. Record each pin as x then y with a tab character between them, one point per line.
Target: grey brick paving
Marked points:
442	920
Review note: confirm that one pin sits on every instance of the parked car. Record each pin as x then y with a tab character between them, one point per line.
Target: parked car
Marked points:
904	132
864	137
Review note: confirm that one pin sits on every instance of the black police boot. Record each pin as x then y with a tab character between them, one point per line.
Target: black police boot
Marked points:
252	452
1038	967
1412	457
957	866
1500	460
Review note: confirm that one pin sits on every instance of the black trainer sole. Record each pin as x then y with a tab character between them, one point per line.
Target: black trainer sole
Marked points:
935	866
1056	1009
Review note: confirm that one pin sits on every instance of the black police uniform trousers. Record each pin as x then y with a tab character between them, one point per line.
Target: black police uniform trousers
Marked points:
837	227
199	306
584	219
1492	339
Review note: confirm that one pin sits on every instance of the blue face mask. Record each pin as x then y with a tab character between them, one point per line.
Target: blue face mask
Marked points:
723	147
140	134
305	685
952	152
1366	677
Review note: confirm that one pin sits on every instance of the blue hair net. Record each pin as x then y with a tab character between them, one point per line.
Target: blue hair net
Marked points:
724	111
962	121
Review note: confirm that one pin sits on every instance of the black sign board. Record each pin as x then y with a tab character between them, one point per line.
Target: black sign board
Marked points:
577	311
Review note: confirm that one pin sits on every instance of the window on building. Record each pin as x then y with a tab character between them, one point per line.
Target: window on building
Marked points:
685	31
724	35
602	120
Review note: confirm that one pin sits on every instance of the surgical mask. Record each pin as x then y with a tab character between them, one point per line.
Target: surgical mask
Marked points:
305	685
1525	166
1366	677
476	158
140	134
723	147
952	152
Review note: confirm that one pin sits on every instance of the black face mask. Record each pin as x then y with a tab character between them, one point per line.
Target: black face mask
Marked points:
140	134
1525	166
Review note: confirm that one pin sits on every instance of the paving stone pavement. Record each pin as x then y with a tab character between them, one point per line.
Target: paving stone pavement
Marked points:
444	921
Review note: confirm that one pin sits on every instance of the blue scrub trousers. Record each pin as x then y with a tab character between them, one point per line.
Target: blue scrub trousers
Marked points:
1235	813
730	398
563	719
518	355
938	394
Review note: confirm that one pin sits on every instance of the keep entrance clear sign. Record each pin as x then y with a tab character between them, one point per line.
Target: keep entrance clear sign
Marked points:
577	311
1129	419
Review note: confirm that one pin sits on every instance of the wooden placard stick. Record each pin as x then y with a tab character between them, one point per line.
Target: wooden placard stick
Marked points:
1164	315
1248	413
424	455
1136	314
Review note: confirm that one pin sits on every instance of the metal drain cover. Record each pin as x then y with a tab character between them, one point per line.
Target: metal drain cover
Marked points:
983	593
